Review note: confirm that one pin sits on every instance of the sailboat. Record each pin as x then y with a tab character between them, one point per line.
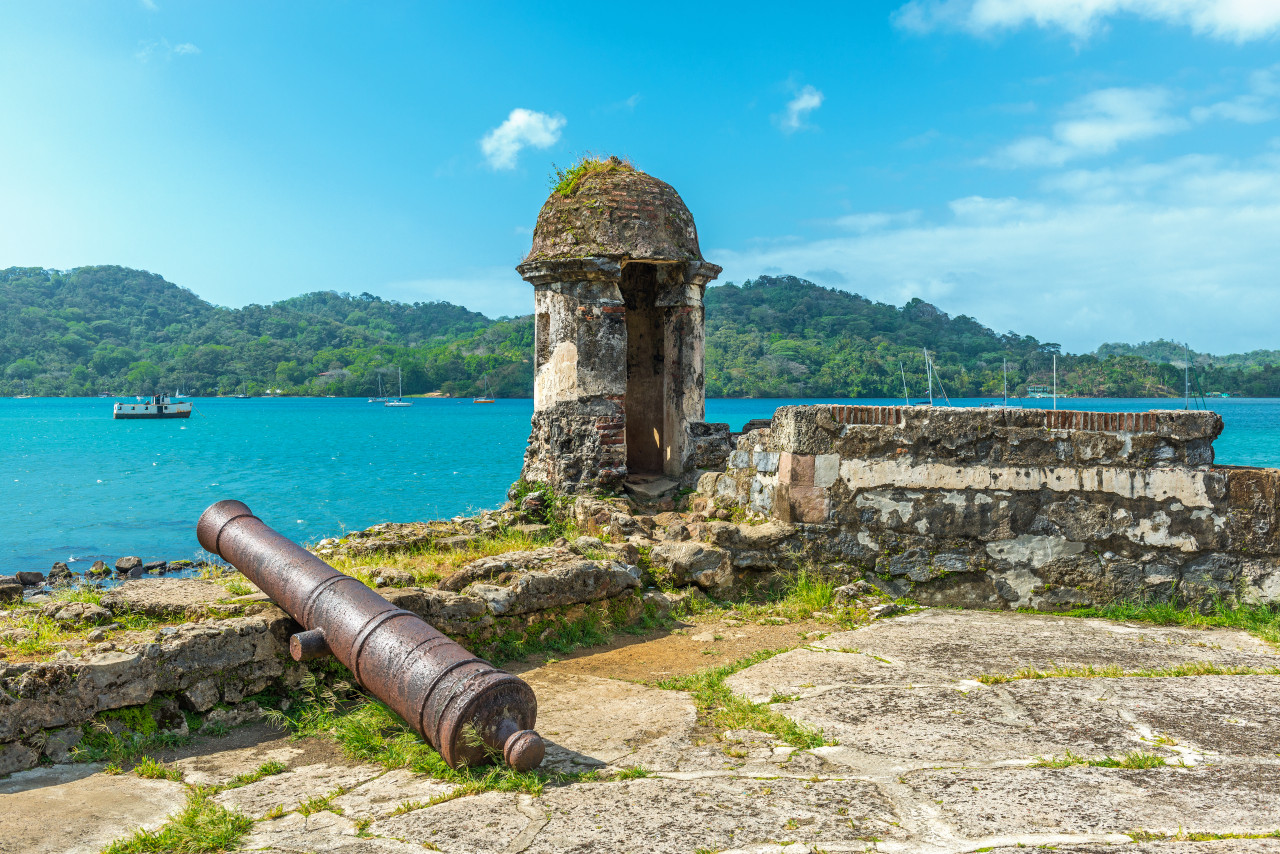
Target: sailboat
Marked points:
484	398
381	398
399	399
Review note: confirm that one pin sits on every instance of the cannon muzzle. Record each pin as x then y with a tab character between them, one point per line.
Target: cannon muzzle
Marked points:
465	707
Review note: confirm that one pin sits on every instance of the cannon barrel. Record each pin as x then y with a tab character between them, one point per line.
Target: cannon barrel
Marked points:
465	707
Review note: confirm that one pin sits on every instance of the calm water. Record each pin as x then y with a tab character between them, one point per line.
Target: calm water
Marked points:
76	484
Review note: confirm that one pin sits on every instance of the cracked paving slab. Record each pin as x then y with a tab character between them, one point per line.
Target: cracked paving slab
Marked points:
1020	720
620	719
1216	846
989	803
76	809
480	824
938	645
657	815
319	833
384	795
291	788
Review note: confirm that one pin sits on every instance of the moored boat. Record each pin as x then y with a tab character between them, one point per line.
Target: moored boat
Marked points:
156	406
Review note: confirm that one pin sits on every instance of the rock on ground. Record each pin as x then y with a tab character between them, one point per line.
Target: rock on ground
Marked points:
77	809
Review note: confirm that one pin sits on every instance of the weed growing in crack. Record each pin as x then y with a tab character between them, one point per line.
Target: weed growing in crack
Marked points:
1135	759
202	827
719	707
1112	671
1260	620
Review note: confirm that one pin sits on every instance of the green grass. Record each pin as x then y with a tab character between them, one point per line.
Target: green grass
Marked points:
802	594
266	769
1135	759
202	827
46	636
1190	836
566	181
719	707
1260	620
150	769
1112	671
367	730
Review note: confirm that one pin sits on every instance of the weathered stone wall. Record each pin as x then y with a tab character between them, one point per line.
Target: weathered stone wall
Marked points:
492	604
1013	507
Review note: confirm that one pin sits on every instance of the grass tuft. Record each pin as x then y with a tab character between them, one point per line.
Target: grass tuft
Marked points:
266	769
566	181
1112	671
202	827
150	769
1135	759
719	707
1260	620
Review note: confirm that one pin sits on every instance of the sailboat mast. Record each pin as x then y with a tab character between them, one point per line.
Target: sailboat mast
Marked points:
1186	376
928	368
1004	383
903	371
1055	381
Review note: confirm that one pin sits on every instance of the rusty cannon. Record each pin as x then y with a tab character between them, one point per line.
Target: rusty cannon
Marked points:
463	706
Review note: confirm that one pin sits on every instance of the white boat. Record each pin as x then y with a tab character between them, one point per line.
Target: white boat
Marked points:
381	398
399	398
486	397
156	406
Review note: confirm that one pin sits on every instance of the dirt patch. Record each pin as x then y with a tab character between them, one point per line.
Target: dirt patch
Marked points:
695	643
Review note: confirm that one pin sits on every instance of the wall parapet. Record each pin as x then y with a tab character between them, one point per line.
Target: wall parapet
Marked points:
995	507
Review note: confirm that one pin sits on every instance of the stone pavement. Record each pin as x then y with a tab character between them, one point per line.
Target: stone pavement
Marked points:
928	758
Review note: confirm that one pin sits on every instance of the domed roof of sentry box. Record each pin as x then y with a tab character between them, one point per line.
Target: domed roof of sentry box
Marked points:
607	208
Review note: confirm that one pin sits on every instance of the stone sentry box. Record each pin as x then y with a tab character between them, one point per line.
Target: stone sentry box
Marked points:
618	337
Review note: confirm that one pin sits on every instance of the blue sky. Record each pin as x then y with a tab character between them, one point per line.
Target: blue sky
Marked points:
1078	170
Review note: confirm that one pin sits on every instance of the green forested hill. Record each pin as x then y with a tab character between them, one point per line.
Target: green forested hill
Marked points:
117	330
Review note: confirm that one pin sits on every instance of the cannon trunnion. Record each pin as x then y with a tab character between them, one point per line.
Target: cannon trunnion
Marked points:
465	707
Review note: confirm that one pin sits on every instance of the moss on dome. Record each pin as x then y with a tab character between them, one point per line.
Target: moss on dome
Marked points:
606	208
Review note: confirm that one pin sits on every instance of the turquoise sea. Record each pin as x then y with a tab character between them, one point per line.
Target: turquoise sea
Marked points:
75	484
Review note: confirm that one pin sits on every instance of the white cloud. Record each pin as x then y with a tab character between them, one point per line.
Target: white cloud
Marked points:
1253	107
1185	249
864	222
492	291
149	5
798	109
161	49
1096	124
1230	20
522	128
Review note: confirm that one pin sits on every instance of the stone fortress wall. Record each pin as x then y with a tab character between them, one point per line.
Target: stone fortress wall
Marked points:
1012	508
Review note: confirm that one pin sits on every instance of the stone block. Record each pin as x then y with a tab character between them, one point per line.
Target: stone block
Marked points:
808	504
17	756
795	469
765	461
200	697
10	591
60	743
826	468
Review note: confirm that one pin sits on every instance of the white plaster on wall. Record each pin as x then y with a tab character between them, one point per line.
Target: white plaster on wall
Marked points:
557	380
869	541
1034	549
1023	582
1187	486
886	507
826	468
1154	531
